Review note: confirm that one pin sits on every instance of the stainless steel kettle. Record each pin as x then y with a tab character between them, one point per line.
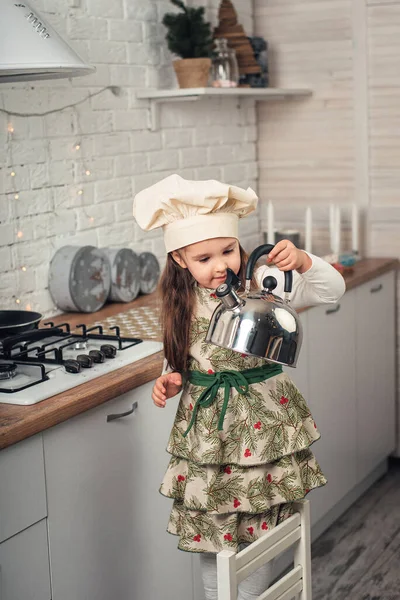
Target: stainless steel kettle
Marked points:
257	323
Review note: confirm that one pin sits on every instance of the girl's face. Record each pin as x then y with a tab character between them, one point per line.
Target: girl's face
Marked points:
208	260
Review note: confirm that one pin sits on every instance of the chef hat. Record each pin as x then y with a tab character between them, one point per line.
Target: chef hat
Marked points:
192	211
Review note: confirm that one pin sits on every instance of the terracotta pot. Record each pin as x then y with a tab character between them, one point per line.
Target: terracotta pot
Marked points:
192	72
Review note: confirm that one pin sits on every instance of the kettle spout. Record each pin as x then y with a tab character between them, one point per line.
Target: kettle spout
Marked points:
228	296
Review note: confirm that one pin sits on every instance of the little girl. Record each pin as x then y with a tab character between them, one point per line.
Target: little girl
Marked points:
232	481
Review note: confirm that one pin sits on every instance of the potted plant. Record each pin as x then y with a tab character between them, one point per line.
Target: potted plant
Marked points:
189	36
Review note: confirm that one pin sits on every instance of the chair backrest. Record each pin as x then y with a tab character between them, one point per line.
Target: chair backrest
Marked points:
294	531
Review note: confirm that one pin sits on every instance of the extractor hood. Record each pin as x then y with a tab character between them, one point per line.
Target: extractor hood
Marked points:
30	49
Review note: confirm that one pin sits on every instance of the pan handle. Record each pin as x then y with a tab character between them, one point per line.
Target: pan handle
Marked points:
29	336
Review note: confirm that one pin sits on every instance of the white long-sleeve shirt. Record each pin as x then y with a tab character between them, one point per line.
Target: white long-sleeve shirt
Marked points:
321	284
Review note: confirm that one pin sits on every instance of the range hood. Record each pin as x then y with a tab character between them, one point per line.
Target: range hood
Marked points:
30	49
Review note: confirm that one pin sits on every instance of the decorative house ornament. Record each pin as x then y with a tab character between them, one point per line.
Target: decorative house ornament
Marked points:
229	28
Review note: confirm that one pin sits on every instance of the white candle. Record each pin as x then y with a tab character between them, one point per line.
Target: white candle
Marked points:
308	233
271	231
332	224
354	228
337	231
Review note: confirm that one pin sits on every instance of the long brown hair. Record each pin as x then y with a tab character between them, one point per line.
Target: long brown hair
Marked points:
177	293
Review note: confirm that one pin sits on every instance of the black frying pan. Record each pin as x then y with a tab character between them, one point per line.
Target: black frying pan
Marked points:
13	322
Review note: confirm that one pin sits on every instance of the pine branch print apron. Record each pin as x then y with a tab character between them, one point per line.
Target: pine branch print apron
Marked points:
233	482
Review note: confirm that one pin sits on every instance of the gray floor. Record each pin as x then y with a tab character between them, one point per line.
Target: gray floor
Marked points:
358	558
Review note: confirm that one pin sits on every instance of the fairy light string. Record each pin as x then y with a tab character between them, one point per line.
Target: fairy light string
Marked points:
82	162
12	167
12	174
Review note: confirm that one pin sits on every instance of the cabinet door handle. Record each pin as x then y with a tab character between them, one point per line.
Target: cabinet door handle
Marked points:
333	310
376	289
124	414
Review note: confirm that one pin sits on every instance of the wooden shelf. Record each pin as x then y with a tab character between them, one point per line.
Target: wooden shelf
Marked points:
157	97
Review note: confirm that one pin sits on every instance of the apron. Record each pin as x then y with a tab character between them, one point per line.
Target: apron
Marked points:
240	445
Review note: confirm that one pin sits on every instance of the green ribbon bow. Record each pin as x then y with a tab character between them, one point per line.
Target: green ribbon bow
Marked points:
240	380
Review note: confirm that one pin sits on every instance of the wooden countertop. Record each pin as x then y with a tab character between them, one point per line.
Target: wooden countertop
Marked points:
20	422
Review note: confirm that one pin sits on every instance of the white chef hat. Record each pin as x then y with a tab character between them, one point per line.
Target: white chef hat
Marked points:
192	211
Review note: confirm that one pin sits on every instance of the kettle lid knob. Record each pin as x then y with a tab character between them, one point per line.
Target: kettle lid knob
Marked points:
269	283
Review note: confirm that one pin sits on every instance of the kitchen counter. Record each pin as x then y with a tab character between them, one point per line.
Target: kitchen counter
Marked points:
20	422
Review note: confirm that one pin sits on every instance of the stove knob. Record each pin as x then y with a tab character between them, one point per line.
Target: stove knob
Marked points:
85	361
97	355
72	366
109	350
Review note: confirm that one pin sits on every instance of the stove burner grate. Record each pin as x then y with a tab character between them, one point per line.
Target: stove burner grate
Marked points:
8	371
37	375
53	346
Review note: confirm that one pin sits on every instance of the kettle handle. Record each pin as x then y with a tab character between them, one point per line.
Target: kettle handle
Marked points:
253	258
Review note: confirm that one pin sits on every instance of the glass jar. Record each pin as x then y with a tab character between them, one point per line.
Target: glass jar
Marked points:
224	68
234	68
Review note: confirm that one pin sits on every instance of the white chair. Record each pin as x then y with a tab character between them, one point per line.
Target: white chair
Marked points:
234	568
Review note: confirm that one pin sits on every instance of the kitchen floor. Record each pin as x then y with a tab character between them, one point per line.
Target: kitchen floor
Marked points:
358	558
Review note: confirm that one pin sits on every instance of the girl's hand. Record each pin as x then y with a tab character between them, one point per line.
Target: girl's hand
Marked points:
165	387
287	257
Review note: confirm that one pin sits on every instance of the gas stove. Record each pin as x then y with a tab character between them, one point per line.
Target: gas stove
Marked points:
41	363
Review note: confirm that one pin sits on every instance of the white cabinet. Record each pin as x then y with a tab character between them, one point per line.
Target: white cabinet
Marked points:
163	572
375	372
24	565
332	399
107	520
23	496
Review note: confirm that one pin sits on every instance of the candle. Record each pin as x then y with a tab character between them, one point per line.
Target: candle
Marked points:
271	231
337	231
332	227
308	233
354	228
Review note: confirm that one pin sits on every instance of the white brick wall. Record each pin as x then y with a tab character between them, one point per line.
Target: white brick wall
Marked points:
58	203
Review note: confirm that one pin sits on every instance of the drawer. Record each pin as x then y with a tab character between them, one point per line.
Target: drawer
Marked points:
22	489
24	565
384	285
